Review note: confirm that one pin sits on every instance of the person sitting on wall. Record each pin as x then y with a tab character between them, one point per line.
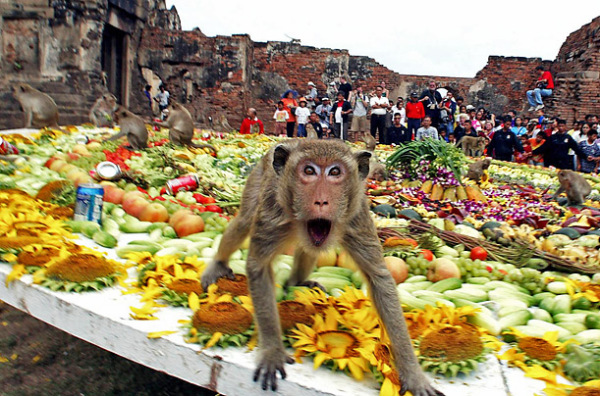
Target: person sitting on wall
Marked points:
251	124
543	88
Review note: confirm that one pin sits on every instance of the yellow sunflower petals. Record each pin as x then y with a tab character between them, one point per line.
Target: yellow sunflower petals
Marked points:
17	272
194	301
213	340
159	334
356	371
319	359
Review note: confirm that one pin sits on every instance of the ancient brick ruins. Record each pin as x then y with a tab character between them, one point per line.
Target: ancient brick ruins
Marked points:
75	50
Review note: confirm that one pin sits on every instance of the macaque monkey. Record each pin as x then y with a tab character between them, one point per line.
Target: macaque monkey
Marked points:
376	170
476	169
133	127
181	127
310	132
309	194
370	142
576	187
40	109
471	145
102	113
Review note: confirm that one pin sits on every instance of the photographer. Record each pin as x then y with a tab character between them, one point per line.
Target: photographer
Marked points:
432	100
543	88
447	111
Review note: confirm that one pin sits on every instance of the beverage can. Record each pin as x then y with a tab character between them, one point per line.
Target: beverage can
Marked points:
88	204
107	170
184	183
81	139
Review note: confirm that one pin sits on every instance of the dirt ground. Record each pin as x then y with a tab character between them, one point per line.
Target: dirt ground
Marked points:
38	359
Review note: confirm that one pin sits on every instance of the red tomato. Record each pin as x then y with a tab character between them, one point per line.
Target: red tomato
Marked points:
479	253
428	254
214	208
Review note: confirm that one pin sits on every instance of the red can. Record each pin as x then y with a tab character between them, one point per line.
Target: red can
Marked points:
184	183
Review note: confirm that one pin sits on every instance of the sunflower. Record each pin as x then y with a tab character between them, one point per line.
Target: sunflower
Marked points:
590	388
543	351
80	272
31	224
418	321
579	289
16	242
383	368
326	341
317	297
237	286
292	312
220	320
451	349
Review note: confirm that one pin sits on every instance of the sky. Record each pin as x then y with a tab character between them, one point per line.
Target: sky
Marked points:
426	37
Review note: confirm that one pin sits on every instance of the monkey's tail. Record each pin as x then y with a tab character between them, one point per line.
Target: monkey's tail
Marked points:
202	146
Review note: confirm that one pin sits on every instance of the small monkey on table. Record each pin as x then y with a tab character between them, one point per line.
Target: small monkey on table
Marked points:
310	193
476	169
575	186
133	127
40	109
181	127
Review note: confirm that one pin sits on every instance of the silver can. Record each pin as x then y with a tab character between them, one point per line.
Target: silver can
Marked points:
108	171
81	139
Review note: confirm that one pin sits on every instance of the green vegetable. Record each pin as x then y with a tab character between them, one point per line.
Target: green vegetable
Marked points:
410	301
385	210
446	284
557	287
592	321
570	317
123	251
357	279
345	272
169	232
562	305
563	334
582	303
582	362
542	314
469	294
588	336
504	293
537	298
516	318
573	327
547	304
486	321
331	282
133	225
104	239
111	226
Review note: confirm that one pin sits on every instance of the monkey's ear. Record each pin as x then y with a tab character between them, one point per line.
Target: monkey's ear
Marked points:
280	157
362	158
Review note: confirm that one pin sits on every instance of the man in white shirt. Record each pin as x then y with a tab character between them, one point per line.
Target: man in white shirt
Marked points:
379	105
312	94
426	131
360	105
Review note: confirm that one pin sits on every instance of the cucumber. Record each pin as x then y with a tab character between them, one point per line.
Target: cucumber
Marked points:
517	318
592	321
446	284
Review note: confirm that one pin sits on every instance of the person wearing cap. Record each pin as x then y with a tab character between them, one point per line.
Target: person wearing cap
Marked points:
312	94
302	113
415	112
379	105
339	117
251	124
360	106
323	111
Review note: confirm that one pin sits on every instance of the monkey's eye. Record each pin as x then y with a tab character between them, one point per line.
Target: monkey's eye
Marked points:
309	170
335	171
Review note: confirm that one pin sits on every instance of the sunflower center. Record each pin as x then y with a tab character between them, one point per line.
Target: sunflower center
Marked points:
81	268
236	287
382	353
293	312
225	317
537	348
186	286
451	343
585	391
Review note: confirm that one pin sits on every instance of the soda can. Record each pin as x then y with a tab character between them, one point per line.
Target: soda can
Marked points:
107	170
81	139
88	204
184	183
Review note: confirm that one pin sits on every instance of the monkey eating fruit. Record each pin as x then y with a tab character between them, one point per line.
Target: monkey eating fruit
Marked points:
310	194
133	127
181	127
576	187
40	109
471	145
476	169
103	110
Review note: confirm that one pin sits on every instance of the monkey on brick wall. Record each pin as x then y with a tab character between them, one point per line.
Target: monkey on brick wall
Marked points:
310	194
40	109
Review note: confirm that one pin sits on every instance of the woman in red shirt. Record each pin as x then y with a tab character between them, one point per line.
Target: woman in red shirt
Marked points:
289	105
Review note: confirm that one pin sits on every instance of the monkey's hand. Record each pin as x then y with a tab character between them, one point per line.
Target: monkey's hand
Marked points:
418	385
272	361
214	272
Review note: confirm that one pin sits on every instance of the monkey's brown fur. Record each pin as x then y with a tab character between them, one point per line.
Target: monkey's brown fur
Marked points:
576	187
133	127
370	142
476	169
40	109
472	145
103	110
181	127
310	193
310	132
376	170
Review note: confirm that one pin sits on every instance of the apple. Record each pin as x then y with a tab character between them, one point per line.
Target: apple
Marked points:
177	215
48	163
131	194
442	268
135	206
61	156
187	225
81	178
93	145
397	268
154	213
344	260
113	194
81	149
327	258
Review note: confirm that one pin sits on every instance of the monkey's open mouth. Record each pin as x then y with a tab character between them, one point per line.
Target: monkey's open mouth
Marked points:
318	230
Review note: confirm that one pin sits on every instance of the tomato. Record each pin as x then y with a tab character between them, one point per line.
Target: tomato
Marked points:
214	208
428	254
479	253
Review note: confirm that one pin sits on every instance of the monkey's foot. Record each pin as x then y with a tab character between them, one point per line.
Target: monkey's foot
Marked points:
214	272
418	385
311	284
269	364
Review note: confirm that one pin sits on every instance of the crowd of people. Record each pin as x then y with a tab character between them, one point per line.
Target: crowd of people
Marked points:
348	113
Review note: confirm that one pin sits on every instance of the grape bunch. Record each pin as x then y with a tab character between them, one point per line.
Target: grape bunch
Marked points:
417	265
529	278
